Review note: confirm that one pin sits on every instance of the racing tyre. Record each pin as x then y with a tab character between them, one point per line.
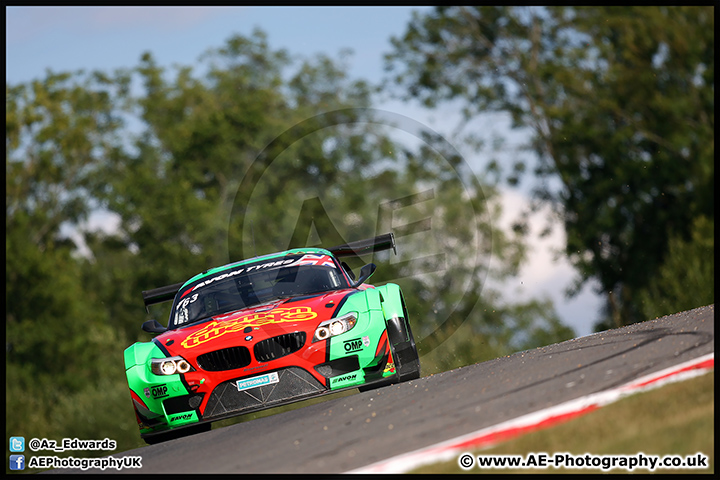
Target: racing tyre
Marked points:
404	350
404	353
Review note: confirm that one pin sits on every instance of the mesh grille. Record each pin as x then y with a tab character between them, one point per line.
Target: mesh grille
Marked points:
279	346
225	359
293	384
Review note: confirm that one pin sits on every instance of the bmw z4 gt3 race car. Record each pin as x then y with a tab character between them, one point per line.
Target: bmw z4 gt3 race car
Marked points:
265	332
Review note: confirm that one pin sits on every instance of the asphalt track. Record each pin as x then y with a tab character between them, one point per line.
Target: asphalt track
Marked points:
348	433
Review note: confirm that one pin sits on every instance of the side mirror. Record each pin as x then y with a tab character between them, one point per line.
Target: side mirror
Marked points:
365	273
153	326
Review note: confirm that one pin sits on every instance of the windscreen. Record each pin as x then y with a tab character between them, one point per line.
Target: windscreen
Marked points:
256	284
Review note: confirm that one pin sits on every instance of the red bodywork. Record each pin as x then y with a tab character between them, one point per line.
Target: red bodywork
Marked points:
247	327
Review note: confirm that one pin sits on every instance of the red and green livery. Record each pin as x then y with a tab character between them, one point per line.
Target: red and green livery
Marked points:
264	332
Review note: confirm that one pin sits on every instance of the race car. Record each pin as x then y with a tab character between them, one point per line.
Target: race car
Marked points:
264	332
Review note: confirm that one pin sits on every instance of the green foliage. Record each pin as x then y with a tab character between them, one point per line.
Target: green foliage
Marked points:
57	129
620	101
686	279
259	153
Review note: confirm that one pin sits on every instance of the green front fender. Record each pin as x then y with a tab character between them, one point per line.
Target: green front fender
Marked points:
140	353
392	301
153	389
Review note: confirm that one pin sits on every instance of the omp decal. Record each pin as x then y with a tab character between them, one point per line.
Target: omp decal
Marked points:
217	328
259	381
353	345
159	391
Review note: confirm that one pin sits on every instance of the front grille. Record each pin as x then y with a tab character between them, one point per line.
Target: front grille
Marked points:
279	346
225	359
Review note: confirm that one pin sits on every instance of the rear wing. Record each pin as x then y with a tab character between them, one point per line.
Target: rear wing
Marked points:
363	247
357	248
160	295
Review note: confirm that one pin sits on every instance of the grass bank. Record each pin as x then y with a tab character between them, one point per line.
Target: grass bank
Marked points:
677	419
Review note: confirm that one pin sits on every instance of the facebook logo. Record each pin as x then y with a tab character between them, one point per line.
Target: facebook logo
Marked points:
17	444
17	462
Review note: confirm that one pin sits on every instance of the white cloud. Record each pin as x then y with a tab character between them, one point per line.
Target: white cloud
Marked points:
547	274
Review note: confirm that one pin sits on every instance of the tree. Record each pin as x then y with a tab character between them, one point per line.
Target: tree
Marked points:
686	279
620	102
56	130
253	157
57	334
254	154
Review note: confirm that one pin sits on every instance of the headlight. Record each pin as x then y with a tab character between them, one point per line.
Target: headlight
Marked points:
335	326
170	366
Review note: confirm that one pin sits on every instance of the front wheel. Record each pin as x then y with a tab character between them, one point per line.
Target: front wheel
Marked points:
404	350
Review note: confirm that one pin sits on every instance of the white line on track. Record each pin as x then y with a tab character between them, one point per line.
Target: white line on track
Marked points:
489	436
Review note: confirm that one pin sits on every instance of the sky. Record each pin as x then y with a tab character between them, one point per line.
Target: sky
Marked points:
107	38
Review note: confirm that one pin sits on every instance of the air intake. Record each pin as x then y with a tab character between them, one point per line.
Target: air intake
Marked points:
225	359
279	346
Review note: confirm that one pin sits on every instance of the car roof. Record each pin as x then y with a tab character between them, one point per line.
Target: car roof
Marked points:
247	261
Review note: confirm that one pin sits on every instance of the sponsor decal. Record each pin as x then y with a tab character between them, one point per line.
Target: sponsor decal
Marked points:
259	381
213	279
186	416
389	367
366	341
185	302
250	369
147	392
353	345
158	391
344	378
308	259
220	327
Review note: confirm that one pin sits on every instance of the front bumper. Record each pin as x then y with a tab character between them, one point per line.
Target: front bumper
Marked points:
360	357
